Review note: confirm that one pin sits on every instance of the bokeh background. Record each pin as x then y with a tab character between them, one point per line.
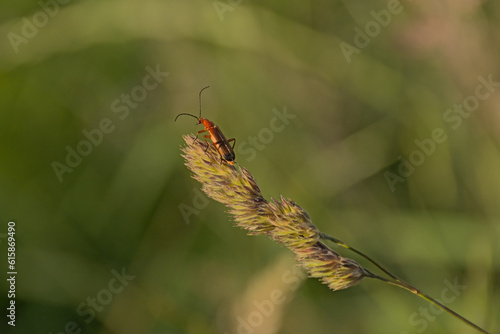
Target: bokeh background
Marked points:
129	207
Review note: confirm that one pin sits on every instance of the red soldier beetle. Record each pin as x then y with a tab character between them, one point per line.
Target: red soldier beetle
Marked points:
220	142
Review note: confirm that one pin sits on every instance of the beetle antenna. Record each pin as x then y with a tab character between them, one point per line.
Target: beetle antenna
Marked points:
186	115
199	97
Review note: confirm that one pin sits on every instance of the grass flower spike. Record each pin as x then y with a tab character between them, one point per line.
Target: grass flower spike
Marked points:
282	220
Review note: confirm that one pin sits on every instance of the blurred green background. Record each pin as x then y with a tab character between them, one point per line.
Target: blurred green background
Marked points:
356	111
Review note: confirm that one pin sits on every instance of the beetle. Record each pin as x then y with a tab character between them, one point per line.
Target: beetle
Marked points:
220	142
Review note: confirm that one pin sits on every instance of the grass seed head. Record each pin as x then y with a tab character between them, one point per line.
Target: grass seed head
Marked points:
282	220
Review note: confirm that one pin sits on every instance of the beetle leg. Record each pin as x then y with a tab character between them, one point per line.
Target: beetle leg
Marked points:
201	131
215	145
206	141
232	140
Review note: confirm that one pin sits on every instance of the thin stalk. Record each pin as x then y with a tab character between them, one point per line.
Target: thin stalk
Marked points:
419	293
341	243
400	283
